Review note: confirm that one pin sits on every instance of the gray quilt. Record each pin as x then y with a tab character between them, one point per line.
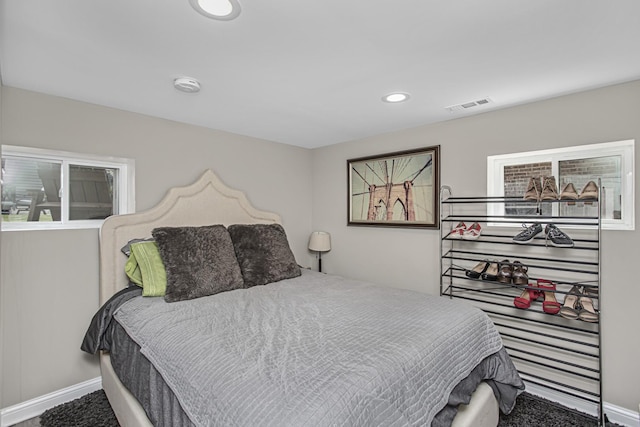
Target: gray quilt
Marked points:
317	350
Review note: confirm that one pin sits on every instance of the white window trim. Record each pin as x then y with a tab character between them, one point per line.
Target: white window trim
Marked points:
625	149
126	184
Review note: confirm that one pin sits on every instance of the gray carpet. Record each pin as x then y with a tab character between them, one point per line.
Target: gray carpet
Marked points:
534	411
93	410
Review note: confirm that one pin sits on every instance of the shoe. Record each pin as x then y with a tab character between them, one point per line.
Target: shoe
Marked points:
528	233
569	309
473	232
478	270
557	237
569	192
589	192
550	305
519	273
549	188
458	231
534	189
491	273
526	297
588	312
590	291
505	272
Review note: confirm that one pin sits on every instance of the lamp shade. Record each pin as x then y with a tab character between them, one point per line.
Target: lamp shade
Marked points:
320	241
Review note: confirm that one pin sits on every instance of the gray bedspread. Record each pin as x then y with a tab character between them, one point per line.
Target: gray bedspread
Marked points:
317	350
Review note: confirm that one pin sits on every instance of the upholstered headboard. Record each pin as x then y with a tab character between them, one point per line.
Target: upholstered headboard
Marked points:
207	201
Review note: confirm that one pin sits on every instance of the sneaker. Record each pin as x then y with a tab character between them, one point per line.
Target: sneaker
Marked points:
557	237
549	188
458	231
534	189
528	233
473	232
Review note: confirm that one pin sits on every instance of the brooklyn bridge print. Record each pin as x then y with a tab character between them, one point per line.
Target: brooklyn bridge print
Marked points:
395	189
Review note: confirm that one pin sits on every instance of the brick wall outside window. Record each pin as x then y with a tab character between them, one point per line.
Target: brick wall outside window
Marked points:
578	172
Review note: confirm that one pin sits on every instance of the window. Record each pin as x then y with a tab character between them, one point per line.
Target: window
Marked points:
612	163
45	189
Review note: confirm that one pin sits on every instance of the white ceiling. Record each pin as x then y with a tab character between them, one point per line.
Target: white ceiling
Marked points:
312	73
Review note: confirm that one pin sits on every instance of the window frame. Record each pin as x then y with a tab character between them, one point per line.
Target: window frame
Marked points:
125	186
625	149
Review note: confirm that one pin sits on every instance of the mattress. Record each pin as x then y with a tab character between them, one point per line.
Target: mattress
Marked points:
328	306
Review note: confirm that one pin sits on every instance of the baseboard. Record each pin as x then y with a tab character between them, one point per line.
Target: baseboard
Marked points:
622	416
614	413
35	407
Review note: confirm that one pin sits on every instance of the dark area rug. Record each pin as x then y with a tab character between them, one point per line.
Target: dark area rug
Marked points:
93	410
534	411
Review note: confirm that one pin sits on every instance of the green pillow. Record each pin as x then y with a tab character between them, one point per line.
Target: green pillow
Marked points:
133	270
146	269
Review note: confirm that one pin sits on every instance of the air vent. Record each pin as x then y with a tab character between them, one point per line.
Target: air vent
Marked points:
468	105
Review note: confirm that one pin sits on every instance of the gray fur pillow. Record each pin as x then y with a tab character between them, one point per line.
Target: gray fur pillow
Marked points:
199	261
263	253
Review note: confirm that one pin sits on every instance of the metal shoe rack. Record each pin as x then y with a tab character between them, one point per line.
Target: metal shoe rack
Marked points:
555	356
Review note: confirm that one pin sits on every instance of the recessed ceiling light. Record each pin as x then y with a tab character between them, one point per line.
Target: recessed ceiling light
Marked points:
396	97
186	84
224	10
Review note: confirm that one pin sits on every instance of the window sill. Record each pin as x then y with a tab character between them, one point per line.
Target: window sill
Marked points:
34	226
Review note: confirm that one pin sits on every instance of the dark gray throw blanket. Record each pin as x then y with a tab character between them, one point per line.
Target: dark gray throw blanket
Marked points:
318	350
499	372
98	335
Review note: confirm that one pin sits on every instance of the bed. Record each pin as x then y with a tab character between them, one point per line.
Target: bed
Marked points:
309	349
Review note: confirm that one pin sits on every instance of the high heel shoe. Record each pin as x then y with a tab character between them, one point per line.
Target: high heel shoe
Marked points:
506	271
550	305
569	309
478	270
526	297
590	291
491	272
588	312
519	274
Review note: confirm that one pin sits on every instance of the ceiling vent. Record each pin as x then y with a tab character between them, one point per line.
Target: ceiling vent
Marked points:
469	105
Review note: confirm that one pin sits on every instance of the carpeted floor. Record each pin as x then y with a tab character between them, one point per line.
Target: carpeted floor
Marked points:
534	411
93	410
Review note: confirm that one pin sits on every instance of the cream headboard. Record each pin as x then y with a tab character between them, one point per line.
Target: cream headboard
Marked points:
207	201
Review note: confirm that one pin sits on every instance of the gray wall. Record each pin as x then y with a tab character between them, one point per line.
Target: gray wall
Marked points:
50	278
408	258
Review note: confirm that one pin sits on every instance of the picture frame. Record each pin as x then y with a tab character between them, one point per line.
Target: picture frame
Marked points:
398	189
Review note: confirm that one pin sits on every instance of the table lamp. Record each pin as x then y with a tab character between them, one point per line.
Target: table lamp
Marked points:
320	241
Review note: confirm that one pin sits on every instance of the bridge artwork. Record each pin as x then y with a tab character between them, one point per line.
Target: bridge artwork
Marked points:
395	189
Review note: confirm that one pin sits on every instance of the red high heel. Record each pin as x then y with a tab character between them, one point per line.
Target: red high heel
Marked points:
525	298
550	305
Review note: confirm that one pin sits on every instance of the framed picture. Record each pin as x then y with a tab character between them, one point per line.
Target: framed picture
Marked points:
396	189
